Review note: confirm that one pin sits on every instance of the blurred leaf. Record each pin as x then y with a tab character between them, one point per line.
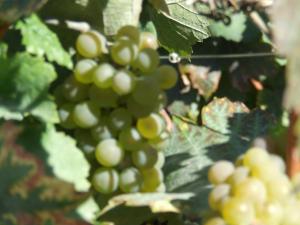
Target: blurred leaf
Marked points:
46	111
3	50
232	31
180	29
24	84
128	10
40	40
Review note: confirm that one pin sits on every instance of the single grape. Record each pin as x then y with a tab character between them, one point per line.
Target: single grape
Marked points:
105	180
73	90
138	110
240	174
255	157
152	179
145	158
86	114
83	70
220	171
131	139
123	52
151	126
109	153
130	180
119	119
218	195
215	221
102	130
85	142
161	142
148	40
65	113
91	44
146	91
105	98
160	160
123	82
237	211
278	162
279	187
271	213
266	171
146	61
167	76
103	75
130	32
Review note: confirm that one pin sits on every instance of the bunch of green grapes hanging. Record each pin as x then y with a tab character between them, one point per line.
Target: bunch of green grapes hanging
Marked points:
112	105
255	191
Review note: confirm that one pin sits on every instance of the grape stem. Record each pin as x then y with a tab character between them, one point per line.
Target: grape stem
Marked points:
292	157
169	123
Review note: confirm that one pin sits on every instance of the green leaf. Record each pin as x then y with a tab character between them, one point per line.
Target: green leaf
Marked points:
180	29
67	161
232	31
46	111
118	13
3	50
24	85
40	40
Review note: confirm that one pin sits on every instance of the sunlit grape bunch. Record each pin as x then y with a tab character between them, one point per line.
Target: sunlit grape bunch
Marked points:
111	104
254	191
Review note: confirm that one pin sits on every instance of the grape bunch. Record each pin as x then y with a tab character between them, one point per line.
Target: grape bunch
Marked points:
254	191
111	104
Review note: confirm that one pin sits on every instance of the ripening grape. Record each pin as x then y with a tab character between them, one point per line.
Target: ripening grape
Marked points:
131	139
148	40
109	153
278	187
167	76
152	178
83	70
86	114
220	171
145	158
255	157
278	162
215	221
73	90
119	119
161	188
291	215
91	44
65	113
130	180
218	195
151	126
146	61
105	98
160	142
271	213
123	82
105	180
130	32
240	174
103	75
123	52
265	171
160	160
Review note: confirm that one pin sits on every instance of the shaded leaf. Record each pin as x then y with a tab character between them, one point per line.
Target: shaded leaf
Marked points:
46	111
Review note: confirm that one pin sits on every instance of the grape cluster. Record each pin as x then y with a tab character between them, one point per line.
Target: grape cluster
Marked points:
254	191
112	103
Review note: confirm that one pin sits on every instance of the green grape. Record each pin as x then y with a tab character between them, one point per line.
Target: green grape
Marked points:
240	174
271	213
109	153
91	44
85	142
266	171
83	70
103	75
152	179
291	215
215	221
73	90
102	130
220	171
146	91
161	188
148	40
255	157
123	82
119	119
65	113
130	180
131	139
145	158
251	189
130	32
278	162
139	110
161	142
86	114
167	76
105	180
123	52
151	126
218	195
279	187
146	61
105	98
237	211
160	160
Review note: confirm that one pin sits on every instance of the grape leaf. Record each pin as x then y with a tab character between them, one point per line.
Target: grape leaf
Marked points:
46	111
193	149
40	40
128	10
24	84
180	29
3	50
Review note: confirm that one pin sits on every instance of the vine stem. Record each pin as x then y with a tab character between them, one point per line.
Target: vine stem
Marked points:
292	157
